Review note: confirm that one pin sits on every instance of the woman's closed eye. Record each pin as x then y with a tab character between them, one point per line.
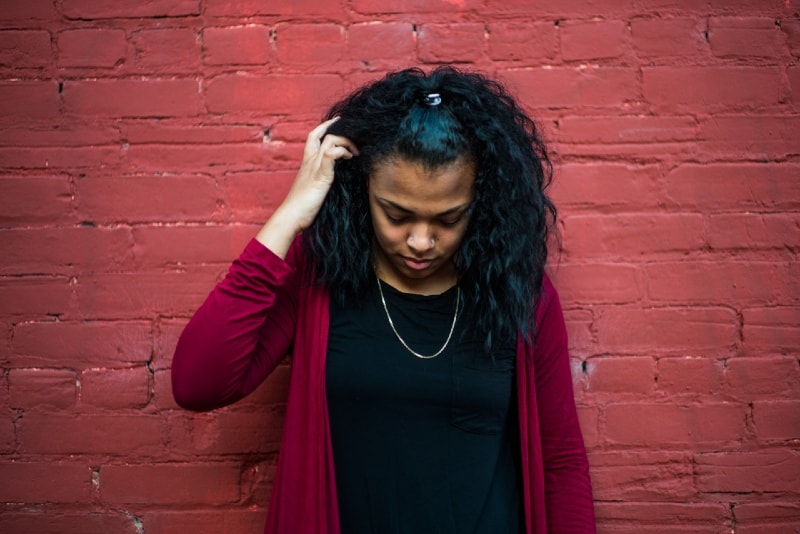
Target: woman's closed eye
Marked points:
396	220
451	222
404	219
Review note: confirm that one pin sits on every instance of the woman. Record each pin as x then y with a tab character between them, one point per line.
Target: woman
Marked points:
404	271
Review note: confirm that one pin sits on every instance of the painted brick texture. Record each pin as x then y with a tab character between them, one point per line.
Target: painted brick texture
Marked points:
143	143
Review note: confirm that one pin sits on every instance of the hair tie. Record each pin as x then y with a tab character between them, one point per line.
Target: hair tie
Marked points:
432	99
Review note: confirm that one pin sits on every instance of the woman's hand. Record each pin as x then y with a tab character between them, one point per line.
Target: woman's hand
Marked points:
309	189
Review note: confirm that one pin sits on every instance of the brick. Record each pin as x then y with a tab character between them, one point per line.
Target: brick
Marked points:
144	294
91	48
257	482
690	376
736	37
73	135
571	9
413	6
659	517
320	45
644	153
621	375
115	388
34	295
588	418
25	49
32	388
119	434
773	517
611	185
598	282
27	11
771	330
105	199
792	29
666	330
28	200
763	377
794	83
253	196
668	37
81	344
579	332
204	522
562	87
33	99
182	159
628	236
451	42
754	231
272	393
177	49
45	482
248	8
166	484
711	88
107	9
631	476
734	185
24	522
579	377
179	133
636	129
167	332
237	45
171	245
8	439
54	158
766	136
292	131
229	432
766	7
522	41
60	250
132	97
162	391
273	94
372	41
777	420
731	282
695	425
592	39
746	472
6	333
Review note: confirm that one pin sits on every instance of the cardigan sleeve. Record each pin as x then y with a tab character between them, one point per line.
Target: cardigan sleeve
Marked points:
568	491
241	332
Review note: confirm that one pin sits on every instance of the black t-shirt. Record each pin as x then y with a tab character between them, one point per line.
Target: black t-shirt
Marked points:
421	445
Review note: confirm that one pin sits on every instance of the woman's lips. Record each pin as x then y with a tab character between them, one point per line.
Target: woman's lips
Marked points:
416	264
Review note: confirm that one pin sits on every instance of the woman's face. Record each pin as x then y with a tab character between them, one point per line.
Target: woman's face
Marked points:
419	216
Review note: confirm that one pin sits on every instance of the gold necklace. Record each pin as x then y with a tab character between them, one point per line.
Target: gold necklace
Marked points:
396	333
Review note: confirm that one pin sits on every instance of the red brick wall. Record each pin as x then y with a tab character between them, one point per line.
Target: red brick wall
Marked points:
142	144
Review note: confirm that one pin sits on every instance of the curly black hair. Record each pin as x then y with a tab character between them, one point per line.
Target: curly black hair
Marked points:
502	256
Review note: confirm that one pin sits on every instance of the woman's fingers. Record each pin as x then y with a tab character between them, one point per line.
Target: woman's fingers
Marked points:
309	189
316	172
318	140
315	136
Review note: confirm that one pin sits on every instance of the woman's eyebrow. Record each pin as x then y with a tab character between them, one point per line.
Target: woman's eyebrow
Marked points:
398	207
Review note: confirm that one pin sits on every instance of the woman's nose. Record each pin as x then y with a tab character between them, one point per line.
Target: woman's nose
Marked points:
421	239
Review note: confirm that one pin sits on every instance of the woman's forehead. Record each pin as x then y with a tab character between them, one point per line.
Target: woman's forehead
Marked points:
412	186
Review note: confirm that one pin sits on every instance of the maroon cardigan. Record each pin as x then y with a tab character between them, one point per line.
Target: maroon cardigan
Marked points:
263	310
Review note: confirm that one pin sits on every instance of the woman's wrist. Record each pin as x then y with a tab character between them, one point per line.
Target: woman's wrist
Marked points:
279	232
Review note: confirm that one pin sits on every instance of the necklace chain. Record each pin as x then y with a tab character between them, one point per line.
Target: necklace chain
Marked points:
396	333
